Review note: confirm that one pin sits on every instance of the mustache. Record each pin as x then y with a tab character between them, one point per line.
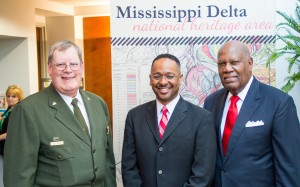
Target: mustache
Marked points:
163	86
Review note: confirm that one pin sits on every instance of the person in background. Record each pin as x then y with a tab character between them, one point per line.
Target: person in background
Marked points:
257	126
168	142
14	94
61	135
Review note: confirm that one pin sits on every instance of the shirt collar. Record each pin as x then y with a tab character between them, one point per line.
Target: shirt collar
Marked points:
69	99
170	106
243	93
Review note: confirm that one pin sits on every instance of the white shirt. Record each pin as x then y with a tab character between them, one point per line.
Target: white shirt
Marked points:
242	96
170	107
80	104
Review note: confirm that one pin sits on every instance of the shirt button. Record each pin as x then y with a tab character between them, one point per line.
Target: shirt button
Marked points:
59	157
96	169
159	172
94	150
160	149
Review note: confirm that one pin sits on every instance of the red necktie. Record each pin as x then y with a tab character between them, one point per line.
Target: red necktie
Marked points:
230	120
163	121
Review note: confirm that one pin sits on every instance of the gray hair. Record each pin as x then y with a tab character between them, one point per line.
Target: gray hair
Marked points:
62	46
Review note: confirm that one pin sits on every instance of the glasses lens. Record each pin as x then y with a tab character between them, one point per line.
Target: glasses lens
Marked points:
63	66
160	77
157	77
75	66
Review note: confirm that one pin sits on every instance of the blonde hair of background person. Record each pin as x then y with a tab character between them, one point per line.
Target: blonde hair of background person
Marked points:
13	91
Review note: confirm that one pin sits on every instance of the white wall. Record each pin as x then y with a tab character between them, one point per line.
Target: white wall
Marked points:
14	63
17	33
18	53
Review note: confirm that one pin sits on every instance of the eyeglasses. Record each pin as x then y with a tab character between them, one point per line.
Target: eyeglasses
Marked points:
62	66
159	77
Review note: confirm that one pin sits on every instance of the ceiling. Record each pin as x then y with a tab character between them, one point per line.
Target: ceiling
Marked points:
77	3
80	8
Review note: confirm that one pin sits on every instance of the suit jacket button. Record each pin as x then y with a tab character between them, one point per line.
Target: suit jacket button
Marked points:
159	172
59	157
96	169
94	150
160	149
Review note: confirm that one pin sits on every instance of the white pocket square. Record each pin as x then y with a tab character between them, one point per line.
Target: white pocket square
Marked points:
254	123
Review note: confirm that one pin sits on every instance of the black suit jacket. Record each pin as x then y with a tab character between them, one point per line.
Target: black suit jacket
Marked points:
185	156
264	147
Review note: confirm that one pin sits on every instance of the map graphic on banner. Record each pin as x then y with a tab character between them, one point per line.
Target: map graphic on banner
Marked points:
193	31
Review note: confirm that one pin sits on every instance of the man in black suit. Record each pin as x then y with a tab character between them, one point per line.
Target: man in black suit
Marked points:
264	146
177	151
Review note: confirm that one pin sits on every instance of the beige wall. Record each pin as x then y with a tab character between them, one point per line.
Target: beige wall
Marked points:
18	56
59	28
17	36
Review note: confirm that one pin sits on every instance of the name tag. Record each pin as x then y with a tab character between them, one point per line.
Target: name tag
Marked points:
57	143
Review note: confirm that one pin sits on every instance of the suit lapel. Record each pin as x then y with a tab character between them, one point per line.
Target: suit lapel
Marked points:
151	119
177	116
65	115
248	108
219	113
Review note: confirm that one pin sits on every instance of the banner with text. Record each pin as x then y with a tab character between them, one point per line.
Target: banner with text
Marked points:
193	31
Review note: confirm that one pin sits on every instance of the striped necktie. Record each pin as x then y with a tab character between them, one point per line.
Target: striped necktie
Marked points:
163	121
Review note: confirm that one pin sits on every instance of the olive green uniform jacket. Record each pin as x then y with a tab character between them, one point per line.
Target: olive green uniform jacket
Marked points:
46	147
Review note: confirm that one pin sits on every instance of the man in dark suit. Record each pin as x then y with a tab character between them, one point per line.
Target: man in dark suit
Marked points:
178	150
47	145
264	145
